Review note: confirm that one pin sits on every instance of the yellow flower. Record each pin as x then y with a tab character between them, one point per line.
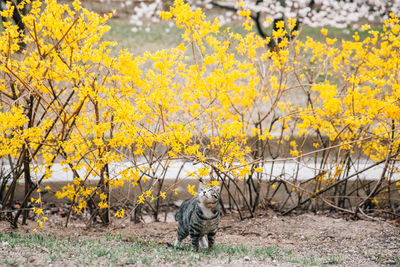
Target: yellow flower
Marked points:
120	213
213	183
330	41
259	169
365	27
103	205
103	196
240	4
191	189
203	172
162	194
148	193
39	211
280	24
244	13
292	23
165	15
140	199
356	37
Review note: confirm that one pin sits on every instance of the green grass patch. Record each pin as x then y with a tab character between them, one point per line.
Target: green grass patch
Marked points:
145	38
332	260
153	37
117	249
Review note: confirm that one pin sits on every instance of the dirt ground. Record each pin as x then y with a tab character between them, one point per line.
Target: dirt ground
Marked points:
347	242
353	243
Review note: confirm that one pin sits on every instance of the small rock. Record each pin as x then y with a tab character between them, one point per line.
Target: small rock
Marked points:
246	258
54	210
390	262
32	259
62	213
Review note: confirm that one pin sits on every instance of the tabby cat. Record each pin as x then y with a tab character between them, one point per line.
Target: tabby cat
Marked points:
199	217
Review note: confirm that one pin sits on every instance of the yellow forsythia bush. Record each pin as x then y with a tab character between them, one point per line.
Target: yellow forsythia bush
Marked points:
217	99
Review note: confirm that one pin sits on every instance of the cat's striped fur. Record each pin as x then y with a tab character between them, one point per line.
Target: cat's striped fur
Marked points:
199	217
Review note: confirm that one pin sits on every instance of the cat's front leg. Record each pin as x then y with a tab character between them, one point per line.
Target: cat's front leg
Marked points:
195	240
211	240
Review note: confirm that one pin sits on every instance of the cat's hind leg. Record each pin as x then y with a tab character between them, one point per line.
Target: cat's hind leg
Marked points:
177	242
180	236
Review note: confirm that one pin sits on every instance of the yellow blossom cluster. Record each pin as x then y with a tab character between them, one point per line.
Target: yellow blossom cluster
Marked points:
354	91
215	99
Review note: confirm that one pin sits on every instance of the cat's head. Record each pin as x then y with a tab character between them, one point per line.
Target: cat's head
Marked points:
208	195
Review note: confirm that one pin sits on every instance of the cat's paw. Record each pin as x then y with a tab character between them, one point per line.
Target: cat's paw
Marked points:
177	243
204	242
